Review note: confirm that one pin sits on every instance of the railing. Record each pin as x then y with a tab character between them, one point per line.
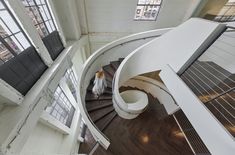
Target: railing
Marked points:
155	88
211	77
102	57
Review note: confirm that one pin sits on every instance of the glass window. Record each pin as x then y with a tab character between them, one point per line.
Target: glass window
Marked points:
61	108
71	81
40	14
147	10
12	39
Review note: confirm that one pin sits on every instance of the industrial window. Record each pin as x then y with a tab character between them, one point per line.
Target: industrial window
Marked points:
227	13
12	38
147	10
71	81
61	108
39	12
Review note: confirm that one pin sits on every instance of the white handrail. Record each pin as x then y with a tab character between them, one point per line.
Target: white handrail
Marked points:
172	48
102	57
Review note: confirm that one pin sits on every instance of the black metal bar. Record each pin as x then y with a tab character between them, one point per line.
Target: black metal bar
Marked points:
11	35
220	95
43	22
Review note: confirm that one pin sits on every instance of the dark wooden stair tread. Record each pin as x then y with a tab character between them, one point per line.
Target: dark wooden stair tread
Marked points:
120	59
98	105
115	64
109	69
101	113
107	90
103	123
91	97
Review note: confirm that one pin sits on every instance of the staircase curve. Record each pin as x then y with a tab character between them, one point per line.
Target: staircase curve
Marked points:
120	48
172	53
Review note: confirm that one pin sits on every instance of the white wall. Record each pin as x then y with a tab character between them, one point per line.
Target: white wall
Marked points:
68	17
43	139
107	20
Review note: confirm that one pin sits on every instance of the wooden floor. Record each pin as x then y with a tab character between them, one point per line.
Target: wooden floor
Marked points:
152	133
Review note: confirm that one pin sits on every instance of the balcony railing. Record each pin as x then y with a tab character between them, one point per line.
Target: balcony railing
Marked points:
211	77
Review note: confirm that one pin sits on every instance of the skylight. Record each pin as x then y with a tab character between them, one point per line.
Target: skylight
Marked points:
147	10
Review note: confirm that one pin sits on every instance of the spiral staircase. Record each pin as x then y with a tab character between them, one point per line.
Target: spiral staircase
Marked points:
108	133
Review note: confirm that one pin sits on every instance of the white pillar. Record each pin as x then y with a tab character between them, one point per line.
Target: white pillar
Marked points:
9	95
57	22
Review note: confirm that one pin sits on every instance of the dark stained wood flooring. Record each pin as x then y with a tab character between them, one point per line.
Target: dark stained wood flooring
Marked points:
151	133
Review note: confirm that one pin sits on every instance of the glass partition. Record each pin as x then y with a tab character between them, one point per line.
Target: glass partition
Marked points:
211	77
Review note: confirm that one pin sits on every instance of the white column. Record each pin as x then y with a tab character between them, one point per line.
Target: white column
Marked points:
9	95
30	30
57	22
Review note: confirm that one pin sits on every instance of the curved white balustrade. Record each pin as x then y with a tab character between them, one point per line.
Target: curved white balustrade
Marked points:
136	101
111	52
155	88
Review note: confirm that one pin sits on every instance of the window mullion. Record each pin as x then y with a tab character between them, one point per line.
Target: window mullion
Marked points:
41	16
8	46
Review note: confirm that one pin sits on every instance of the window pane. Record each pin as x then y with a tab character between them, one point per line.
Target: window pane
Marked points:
22	40
40	1
48	26
9	22
149	2
148	12
13	45
13	40
1	6
44	16
62	107
17	47
5	54
40	16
